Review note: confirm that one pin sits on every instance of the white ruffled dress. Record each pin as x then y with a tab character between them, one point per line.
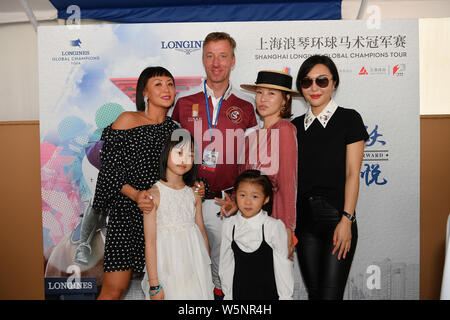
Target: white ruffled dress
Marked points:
183	263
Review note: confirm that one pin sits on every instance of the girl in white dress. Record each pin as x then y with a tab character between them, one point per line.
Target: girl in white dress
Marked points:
178	266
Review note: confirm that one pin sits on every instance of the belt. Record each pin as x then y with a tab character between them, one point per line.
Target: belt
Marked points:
211	194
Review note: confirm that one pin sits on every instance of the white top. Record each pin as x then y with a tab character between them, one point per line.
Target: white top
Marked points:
215	101
323	117
248	237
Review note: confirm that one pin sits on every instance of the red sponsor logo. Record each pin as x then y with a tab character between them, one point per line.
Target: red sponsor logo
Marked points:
363	71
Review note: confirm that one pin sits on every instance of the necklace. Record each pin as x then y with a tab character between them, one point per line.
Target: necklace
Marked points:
150	120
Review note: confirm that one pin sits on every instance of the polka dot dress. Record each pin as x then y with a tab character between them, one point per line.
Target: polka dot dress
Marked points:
127	157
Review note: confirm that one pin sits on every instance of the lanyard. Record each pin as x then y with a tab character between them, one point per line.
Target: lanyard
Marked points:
210	124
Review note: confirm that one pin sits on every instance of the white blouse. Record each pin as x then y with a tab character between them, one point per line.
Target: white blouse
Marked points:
248	237
323	117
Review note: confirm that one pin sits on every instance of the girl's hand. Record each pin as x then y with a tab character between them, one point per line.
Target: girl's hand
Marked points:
199	189
229	206
158	296
145	201
342	238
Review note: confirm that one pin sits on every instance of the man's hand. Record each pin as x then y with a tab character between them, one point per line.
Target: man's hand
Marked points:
229	206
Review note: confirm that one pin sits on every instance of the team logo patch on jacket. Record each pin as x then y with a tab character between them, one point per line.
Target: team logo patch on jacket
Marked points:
235	114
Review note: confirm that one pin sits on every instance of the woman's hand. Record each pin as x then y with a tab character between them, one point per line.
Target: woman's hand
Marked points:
229	206
342	238
158	296
144	201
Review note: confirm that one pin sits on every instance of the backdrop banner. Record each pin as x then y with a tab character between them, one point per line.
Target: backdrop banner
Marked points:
88	75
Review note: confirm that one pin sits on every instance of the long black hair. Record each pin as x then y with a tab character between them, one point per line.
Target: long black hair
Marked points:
178	138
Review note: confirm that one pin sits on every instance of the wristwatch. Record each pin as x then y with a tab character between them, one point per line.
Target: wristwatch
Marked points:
352	218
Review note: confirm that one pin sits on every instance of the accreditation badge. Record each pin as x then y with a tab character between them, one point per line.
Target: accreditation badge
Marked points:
209	160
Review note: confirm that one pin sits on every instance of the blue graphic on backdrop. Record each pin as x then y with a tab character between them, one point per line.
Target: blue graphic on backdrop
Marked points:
371	174
374	137
76	43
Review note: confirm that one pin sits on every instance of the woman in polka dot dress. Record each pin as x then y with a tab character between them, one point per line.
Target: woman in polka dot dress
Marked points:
129	167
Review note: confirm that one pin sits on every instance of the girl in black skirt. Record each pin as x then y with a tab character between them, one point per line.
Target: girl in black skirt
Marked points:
330	152
254	263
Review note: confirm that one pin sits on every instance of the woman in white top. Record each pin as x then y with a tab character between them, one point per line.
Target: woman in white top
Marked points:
254	261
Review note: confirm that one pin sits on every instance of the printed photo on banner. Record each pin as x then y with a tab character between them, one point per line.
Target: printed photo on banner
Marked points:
88	78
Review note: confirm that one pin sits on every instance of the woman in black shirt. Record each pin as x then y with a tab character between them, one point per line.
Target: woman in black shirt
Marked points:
330	146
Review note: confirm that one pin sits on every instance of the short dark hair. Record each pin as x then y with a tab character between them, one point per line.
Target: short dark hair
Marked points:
146	74
309	63
217	36
178	138
256	177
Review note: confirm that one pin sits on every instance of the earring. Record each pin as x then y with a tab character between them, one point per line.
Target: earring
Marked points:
146	104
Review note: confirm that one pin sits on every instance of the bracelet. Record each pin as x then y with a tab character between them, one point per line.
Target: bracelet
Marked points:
352	218
157	288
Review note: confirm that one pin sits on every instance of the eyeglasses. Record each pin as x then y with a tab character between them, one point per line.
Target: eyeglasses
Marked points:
321	82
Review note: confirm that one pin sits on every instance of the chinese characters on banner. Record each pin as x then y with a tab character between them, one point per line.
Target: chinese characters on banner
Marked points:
332	42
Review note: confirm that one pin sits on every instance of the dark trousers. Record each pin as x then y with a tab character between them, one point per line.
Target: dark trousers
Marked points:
324	275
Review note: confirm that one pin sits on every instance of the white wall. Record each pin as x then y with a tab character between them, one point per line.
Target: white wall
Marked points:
19	85
19	100
18	65
434	56
397	9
